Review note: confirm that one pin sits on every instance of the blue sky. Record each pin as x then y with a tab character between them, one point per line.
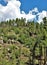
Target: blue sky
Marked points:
27	5
3	3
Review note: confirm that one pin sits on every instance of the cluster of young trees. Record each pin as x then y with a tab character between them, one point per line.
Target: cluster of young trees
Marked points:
26	33
21	31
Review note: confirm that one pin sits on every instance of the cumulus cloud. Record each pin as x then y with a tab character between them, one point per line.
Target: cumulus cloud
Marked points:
12	11
41	15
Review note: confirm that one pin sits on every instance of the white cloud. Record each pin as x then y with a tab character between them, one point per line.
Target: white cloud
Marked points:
41	15
12	11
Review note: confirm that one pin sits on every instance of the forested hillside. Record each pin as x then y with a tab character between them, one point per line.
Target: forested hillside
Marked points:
18	39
